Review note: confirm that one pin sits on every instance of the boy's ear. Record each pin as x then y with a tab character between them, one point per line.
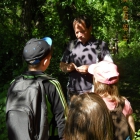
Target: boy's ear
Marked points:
45	61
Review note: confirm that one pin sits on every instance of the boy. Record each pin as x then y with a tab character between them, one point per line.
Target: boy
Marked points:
37	53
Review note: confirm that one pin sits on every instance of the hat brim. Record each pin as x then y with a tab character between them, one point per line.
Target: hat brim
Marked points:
48	40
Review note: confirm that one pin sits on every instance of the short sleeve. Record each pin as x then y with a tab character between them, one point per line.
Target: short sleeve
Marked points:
65	56
127	110
104	50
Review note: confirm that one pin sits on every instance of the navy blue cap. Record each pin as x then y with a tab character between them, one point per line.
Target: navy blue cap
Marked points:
36	49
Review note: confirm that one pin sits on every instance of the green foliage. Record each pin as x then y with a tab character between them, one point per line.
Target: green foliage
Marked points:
3	130
137	135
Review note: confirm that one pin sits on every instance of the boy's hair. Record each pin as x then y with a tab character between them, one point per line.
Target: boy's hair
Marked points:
88	119
80	19
36	49
38	64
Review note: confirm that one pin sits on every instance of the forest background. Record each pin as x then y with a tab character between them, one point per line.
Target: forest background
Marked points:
115	21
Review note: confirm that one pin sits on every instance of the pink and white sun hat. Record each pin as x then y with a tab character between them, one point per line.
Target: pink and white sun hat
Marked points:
105	72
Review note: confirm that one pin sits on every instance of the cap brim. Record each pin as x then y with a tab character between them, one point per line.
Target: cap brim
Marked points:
91	69
48	40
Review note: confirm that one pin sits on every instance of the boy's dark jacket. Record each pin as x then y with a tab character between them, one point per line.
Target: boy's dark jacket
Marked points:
56	105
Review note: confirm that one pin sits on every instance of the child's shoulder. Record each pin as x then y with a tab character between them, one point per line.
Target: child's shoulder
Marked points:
127	110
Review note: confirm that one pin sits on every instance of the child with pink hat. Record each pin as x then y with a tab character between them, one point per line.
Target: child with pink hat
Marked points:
106	77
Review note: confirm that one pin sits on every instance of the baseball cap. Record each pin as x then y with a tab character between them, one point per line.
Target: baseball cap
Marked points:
104	72
36	49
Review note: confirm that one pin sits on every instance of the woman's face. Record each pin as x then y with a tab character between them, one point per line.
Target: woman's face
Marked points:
82	32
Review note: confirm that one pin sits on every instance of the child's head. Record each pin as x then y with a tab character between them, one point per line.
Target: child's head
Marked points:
88	119
104	72
37	51
106	77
